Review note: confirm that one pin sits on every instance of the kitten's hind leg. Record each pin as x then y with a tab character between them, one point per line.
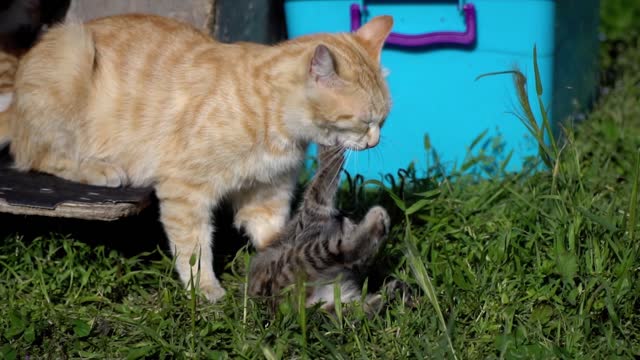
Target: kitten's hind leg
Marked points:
394	290
351	291
366	238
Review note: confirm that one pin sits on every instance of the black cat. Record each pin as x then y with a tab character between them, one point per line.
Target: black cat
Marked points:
22	21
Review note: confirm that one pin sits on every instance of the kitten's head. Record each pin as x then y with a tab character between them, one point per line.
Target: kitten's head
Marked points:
346	90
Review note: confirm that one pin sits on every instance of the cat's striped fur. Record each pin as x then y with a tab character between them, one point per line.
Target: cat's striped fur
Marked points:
320	244
146	100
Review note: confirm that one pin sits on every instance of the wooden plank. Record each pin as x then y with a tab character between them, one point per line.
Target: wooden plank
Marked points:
33	193
85	211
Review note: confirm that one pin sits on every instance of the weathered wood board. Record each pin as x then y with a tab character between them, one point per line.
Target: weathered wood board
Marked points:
35	193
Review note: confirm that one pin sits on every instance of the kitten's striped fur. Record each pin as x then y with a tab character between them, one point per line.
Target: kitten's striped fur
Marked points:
320	244
145	100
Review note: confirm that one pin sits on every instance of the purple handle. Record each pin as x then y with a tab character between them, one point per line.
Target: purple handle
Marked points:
468	37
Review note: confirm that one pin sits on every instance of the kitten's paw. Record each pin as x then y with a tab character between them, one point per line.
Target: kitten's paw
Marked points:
212	292
373	304
380	220
395	285
101	173
401	291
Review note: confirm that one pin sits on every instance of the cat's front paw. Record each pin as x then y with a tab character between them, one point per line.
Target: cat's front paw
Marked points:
212	292
102	173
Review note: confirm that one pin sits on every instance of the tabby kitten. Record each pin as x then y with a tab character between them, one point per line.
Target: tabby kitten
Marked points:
319	244
145	100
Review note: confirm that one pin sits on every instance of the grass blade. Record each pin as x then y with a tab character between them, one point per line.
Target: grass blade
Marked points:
537	71
422	277
633	202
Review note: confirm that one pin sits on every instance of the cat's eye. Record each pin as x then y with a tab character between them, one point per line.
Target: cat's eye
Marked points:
344	117
345	122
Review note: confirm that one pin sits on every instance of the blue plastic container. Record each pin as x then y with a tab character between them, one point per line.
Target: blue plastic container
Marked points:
434	88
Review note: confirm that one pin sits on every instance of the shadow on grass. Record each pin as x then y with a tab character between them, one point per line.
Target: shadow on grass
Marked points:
129	236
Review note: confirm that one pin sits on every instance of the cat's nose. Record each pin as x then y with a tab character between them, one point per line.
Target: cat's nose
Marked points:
373	137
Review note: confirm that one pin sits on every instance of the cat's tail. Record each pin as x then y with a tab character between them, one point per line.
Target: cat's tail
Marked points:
66	58
71	65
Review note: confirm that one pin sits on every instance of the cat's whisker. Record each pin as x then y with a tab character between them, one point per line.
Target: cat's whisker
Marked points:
336	176
335	155
348	156
386	140
331	160
354	162
378	157
377	151
358	162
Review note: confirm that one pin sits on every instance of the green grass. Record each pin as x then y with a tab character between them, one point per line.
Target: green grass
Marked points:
541	265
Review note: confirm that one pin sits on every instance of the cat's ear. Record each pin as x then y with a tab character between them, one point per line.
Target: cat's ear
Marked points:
375	33
322	67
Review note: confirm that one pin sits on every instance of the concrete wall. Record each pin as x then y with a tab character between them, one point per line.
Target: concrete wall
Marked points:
196	12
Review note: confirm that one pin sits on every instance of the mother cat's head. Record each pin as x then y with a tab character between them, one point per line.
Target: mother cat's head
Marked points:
346	96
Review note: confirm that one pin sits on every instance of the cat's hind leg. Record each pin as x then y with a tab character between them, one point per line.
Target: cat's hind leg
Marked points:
50	114
87	171
51	141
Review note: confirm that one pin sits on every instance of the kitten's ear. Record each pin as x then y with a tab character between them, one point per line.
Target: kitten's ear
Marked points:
322	67
374	33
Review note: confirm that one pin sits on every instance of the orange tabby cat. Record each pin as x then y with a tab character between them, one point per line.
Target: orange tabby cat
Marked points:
145	100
